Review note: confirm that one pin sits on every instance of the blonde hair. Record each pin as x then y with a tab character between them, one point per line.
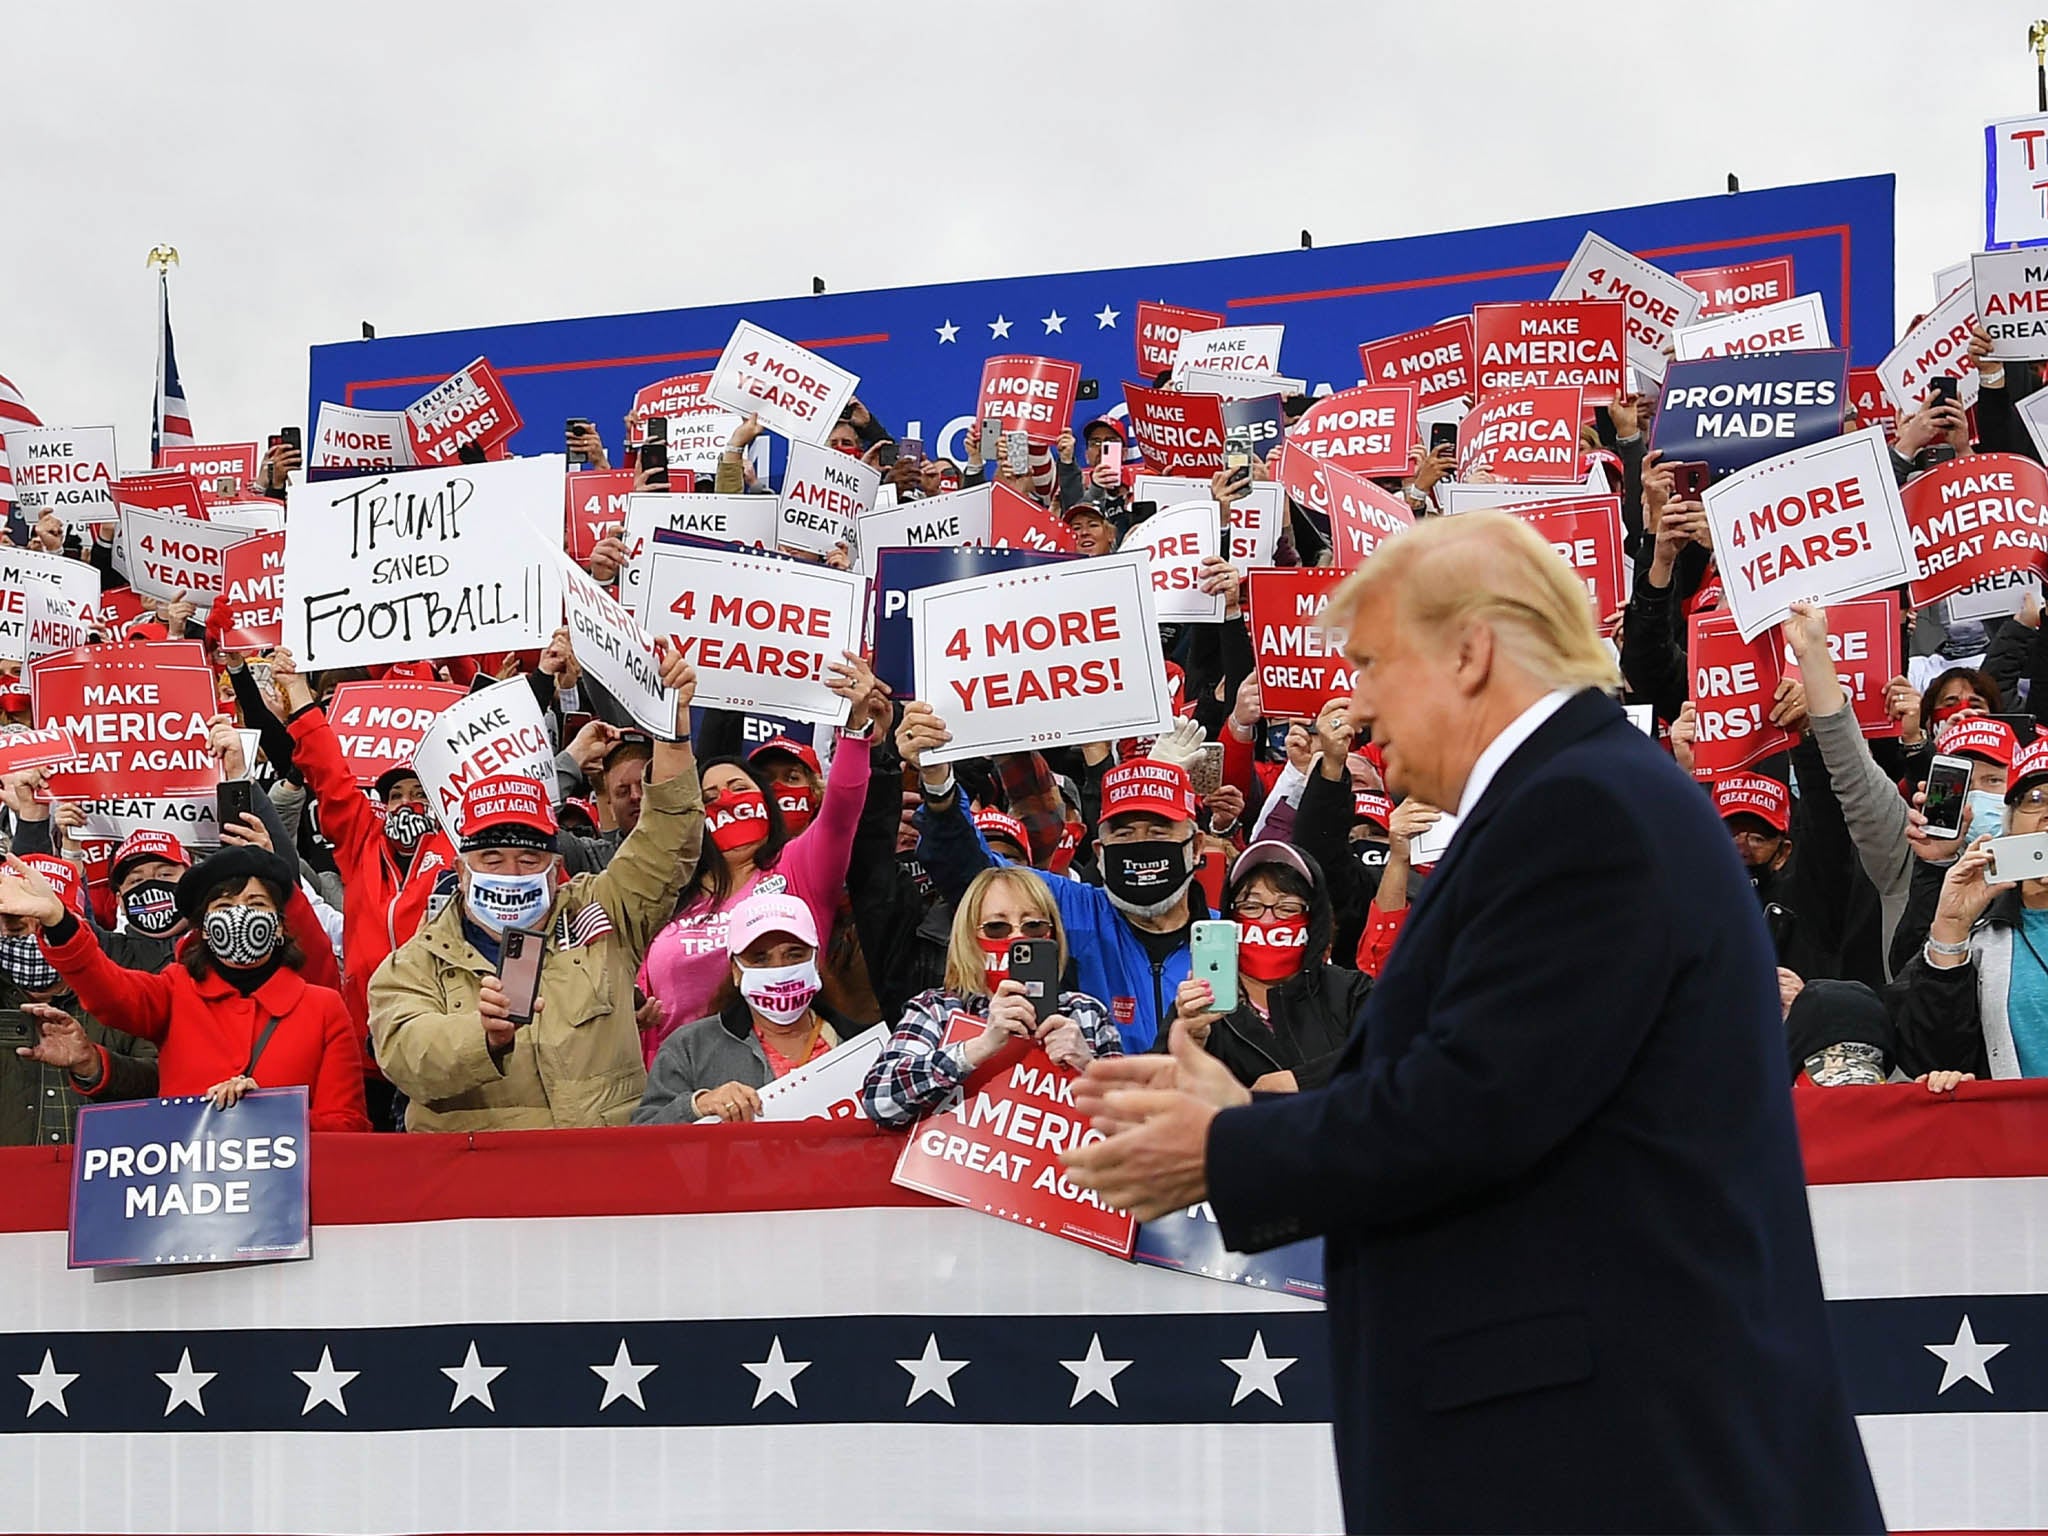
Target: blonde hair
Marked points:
966	961
1492	568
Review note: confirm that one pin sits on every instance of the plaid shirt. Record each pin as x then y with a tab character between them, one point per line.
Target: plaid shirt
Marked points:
914	1077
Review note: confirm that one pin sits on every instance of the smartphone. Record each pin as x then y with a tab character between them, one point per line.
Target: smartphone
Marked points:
1205	773
1932	455
1442	435
1212	957
1016	453
1088	389
1941	389
1948	782
232	800
519	973
275	442
16	1029
991	437
1210	869
911	448
2023	727
886	455
569	430
1689	480
1036	964
654	452
290	435
2022	857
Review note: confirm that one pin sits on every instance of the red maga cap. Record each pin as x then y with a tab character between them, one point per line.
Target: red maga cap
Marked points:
803	752
1147	784
1978	736
505	804
1368	806
148	843
995	823
2030	762
1751	794
63	877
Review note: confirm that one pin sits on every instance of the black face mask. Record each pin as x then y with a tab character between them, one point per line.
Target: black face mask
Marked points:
152	907
405	826
1764	879
1143	879
914	870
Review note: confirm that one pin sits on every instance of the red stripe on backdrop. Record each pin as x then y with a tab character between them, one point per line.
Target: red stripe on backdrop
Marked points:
1882	1135
641	1171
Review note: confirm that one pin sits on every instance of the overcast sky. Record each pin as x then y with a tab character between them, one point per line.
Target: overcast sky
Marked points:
428	166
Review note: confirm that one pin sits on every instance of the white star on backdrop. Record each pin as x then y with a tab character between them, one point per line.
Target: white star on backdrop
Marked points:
622	1378
186	1384
998	328
776	1376
472	1379
1095	1376
930	1373
1105	318
324	1384
1965	1359
1054	322
947	332
1258	1372
47	1386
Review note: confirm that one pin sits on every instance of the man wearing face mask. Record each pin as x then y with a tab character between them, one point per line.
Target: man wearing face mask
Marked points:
1757	811
1129	936
447	1029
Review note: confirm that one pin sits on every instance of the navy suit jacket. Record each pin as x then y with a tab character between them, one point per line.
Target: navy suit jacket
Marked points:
1571	1274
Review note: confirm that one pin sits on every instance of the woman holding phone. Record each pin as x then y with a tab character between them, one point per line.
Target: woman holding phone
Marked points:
917	1074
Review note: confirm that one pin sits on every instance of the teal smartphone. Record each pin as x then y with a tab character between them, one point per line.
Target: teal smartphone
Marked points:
1212	956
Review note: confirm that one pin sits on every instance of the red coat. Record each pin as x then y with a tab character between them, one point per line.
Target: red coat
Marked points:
204	1029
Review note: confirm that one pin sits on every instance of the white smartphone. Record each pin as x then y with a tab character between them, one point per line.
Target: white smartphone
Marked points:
1948	784
2021	857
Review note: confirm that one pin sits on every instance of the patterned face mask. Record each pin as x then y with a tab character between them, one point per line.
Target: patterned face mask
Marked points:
152	907
22	958
1847	1064
406	825
241	936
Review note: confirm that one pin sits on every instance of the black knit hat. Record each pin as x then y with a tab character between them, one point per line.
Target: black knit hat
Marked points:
232	866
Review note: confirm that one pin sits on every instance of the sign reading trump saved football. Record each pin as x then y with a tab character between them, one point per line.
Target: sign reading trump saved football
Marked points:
998	1149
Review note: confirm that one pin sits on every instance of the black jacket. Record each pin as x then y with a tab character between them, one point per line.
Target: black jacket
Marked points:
1311	1017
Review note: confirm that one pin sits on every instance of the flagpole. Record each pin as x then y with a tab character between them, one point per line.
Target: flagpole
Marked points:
163	258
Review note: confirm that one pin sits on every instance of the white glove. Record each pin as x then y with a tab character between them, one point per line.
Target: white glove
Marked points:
1181	745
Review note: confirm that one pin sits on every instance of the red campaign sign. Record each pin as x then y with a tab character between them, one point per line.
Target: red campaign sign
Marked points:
680	394
174	492
1586	532
213	464
1749	285
1180	434
139	713
1522	437
1362	516
379	724
1032	395
1300	664
1436	361
1863	637
592	501
1551	344
469	409
1873	406
1976	516
118	607
998	1150
22	749
1369	431
1734	687
1018	522
250	613
1303	481
1160	328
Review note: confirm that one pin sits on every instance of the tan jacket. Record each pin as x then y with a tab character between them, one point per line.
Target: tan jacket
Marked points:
578	1062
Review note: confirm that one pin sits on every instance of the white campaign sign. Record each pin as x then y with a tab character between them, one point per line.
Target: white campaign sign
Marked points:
67	470
1470	496
1175	541
1234	349
170	556
2015	166
442	562
496	730
1820	524
49	625
1035	658
794	391
346	438
1256	518
1236	386
761	631
1995	595
722	519
2033	414
249	516
193	822
618	654
1939	344
1797	325
1655	305
76	582
824	492
828	1088
935	522
2011	293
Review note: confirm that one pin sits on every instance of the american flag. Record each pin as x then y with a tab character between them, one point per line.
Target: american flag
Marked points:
13	411
170	426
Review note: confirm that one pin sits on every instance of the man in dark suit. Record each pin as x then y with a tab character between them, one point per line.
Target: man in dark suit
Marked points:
1572	1282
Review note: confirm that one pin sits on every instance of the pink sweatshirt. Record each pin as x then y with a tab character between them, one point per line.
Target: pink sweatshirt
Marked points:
688	959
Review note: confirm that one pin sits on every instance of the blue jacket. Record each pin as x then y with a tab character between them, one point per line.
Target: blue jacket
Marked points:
1110	961
1571	1274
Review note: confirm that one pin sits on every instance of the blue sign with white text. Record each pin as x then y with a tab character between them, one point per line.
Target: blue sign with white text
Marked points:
176	1181
900	572
1731	412
1190	1240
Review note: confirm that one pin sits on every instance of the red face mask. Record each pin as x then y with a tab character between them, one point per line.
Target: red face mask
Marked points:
739	818
798	804
997	963
1270	948
14	702
851	450
1942	712
1070	843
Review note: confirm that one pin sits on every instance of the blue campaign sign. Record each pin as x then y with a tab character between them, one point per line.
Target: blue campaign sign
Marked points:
1732	412
919	351
1190	1240
176	1181
899	572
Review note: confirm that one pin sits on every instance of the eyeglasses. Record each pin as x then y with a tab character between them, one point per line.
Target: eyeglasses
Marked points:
1030	928
1757	839
2034	800
1246	906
